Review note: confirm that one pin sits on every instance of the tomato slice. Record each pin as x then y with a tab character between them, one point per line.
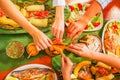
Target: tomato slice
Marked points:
103	71
71	8
41	14
80	6
86	27
96	24
114	27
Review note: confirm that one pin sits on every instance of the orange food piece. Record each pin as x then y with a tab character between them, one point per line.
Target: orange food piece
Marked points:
56	48
79	66
58	42
117	52
50	76
32	50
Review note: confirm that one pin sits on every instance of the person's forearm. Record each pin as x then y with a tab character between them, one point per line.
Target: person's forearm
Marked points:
67	77
91	11
9	8
59	12
107	59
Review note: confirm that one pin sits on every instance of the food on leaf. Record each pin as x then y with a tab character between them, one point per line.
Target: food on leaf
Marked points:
78	10
15	49
32	50
89	70
39	22
56	48
93	42
79	66
111	38
103	65
35	12
35	8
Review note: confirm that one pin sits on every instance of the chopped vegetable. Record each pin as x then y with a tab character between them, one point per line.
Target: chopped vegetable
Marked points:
78	10
79	66
15	49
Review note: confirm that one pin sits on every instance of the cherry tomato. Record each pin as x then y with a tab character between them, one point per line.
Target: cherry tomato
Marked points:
114	70
46	13
67	21
41	14
86	27
96	24
80	6
71	8
114	27
102	71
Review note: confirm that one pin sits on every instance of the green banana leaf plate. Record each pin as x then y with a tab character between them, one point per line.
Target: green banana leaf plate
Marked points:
22	31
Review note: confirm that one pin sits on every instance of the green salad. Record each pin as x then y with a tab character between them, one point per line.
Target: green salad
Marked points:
78	10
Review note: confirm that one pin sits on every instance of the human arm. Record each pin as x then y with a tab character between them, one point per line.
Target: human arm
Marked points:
104	3
40	39
58	25
66	67
77	27
82	50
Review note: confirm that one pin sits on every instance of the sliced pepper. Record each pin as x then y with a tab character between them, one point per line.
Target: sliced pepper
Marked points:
79	66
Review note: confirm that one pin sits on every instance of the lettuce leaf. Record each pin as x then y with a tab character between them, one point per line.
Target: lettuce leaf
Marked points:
56	60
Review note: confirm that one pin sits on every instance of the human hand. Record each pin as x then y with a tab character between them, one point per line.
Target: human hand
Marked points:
66	67
75	29
80	49
58	28
41	40
68	1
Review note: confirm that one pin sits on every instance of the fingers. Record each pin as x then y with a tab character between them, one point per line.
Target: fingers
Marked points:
39	49
47	42
74	50
58	31
71	27
73	33
43	43
61	34
53	29
77	35
63	61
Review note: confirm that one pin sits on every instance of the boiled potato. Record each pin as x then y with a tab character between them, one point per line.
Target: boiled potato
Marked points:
39	22
35	8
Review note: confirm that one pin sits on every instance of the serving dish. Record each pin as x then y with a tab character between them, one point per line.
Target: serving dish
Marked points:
77	11
111	38
93	42
40	66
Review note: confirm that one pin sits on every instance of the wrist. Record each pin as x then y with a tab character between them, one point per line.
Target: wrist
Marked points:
67	77
59	12
33	30
84	20
94	8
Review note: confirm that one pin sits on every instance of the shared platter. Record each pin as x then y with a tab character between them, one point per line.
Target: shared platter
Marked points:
32	72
